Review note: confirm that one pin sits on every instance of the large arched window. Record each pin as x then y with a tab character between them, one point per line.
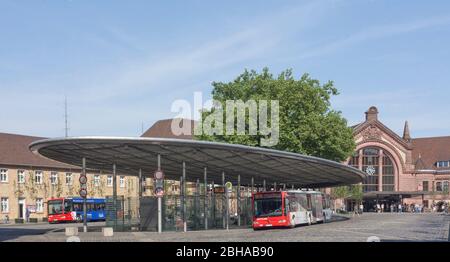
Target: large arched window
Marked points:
379	166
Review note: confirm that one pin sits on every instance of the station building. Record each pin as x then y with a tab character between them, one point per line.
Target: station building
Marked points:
401	169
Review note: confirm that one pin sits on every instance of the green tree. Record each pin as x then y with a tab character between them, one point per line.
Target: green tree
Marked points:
356	193
341	192
307	123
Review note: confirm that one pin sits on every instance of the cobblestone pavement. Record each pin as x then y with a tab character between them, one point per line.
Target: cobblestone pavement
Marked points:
388	227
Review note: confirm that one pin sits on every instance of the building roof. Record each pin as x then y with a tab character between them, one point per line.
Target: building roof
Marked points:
14	152
163	129
133	154
430	150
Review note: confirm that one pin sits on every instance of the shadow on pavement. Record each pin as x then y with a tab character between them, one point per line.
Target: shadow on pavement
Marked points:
11	233
339	218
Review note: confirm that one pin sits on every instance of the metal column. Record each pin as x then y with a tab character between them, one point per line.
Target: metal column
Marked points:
238	192
84	198
275	186
197	204
115	195
224	199
252	185
184	198
264	185
181	198
213	205
140	185
205	203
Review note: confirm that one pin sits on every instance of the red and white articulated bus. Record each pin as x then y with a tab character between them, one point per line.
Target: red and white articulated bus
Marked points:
289	208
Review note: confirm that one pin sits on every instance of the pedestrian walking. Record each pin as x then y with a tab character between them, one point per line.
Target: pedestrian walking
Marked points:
27	215
355	210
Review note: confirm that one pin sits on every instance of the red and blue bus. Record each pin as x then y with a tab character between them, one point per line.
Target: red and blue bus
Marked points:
70	209
289	208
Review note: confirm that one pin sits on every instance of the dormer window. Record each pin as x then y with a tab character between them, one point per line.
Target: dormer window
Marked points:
441	164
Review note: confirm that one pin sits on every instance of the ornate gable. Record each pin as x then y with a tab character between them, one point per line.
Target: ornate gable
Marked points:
371	133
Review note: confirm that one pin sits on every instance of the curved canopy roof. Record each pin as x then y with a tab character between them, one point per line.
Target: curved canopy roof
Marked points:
132	154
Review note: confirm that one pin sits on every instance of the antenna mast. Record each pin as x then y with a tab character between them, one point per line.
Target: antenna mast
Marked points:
66	129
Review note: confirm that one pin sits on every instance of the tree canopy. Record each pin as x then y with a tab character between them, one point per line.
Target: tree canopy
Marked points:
307	123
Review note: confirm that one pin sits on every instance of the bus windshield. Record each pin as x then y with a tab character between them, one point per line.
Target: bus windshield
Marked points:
55	207
268	207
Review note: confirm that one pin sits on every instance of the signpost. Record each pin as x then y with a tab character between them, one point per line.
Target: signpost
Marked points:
159	183
228	190
159	191
83	193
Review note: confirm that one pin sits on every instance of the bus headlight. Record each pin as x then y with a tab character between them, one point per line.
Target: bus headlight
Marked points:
282	221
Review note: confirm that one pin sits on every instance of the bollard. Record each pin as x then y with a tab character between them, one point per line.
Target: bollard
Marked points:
71	231
107	231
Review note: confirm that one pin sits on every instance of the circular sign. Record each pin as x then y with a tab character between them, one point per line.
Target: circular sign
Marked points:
83	186
83	179
159	192
159	174
83	193
229	185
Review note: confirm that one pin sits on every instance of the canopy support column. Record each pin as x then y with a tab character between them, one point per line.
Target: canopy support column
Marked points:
115	195
184	198
252	185
264	185
205	202
197	204
223	201
213	205
140	183
238	192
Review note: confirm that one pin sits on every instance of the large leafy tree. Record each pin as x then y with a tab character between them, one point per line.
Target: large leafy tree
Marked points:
307	123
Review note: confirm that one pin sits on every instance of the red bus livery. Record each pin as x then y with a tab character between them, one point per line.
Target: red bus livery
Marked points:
289	208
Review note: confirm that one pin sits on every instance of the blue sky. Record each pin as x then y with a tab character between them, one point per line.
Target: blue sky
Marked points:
121	63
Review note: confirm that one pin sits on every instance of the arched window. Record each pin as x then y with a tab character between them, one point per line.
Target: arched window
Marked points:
372	161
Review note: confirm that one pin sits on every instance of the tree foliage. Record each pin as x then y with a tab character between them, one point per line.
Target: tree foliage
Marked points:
307	123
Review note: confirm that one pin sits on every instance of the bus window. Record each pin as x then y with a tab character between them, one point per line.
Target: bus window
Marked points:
268	207
78	207
286	206
100	206
67	206
55	207
293	204
308	201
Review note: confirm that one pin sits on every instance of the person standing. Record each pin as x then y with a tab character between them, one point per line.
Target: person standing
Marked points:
27	214
382	208
400	207
361	208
